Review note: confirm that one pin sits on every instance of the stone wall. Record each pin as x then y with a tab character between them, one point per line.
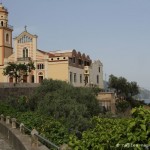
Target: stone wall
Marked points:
9	134
10	90
18	140
107	99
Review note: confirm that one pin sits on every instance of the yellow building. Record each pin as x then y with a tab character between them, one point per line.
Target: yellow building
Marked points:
70	66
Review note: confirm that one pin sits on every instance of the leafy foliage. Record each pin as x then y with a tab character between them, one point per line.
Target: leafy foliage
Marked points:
17	71
121	106
65	114
47	126
20	103
125	91
63	101
115	134
123	87
104	133
7	110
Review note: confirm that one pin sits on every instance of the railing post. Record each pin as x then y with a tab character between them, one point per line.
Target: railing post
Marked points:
2	117
13	123
7	119
34	139
22	128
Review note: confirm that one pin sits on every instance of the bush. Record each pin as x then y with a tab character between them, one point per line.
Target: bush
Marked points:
63	101
115	134
7	110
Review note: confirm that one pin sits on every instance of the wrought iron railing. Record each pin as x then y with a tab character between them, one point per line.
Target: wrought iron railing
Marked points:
24	59
35	137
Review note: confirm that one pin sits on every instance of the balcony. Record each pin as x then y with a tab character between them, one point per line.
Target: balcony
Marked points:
24	59
86	70
6	26
10	27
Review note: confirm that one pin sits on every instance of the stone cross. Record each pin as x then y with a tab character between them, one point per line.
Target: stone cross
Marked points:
25	28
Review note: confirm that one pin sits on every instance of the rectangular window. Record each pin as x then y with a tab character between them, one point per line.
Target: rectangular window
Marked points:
24	79
75	77
11	79
80	61
70	60
74	60
40	66
97	79
99	69
80	78
86	80
70	77
88	63
40	79
32	79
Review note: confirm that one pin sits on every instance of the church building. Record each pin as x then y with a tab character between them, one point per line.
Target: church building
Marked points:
71	66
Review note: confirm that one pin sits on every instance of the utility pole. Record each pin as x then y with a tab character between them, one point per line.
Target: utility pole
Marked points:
105	82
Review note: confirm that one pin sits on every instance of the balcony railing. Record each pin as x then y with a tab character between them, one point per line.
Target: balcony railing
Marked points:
7	26
10	27
86	70
24	59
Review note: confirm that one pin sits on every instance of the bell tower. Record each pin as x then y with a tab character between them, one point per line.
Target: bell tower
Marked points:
5	35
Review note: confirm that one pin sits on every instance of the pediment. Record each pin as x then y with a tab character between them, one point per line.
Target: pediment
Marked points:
25	36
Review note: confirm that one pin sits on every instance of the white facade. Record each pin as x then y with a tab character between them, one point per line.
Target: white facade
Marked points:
76	76
96	74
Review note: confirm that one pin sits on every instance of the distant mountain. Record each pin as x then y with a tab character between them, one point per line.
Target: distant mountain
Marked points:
144	93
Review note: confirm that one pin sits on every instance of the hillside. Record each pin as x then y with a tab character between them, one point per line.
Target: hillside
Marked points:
144	94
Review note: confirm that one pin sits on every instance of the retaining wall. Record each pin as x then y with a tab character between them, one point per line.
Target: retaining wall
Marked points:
21	141
17	139
15	90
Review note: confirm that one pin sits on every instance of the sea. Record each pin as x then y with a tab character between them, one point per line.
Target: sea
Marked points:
147	101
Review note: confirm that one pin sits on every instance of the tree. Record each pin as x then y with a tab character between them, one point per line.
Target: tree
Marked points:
134	89
17	71
63	101
113	81
123	87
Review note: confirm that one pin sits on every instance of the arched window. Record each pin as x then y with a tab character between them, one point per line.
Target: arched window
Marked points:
25	52
7	37
2	23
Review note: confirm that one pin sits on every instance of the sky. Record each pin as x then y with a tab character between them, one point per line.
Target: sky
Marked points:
117	32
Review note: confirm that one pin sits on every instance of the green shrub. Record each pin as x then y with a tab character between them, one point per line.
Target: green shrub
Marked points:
63	101
106	133
7	110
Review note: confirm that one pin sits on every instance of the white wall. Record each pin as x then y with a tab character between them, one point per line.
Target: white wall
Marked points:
78	72
94	72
